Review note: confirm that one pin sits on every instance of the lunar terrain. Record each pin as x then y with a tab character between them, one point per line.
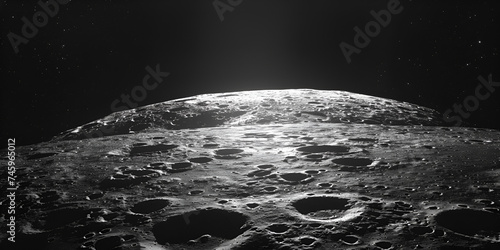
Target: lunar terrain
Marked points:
269	169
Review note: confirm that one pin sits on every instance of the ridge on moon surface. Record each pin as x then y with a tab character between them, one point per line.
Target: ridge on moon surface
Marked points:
267	169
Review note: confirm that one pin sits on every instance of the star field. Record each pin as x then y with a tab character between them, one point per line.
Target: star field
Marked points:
90	53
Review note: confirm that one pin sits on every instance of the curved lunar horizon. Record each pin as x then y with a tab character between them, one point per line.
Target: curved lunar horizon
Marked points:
259	107
265	169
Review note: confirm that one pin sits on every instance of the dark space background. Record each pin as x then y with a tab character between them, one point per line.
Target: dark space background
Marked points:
93	51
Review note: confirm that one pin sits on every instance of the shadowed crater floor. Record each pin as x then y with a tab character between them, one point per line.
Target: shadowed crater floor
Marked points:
181	228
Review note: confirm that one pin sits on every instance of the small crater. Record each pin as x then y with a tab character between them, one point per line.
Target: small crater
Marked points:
179	167
313	171
295	177
351	240
149	206
354	162
112	242
323	149
195	192
421	230
259	173
137	150
325	205
156	165
314	157
472	223
210	145
252	205
307	240
383	244
40	155
228	151
278	228
265	166
485	189
89	235
185	227
484	202
137	219
270	189
228	154
307	138
324	185
95	195
200	160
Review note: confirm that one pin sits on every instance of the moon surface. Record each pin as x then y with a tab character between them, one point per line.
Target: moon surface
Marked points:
267	169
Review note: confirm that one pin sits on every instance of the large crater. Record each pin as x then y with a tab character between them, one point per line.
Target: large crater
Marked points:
181	228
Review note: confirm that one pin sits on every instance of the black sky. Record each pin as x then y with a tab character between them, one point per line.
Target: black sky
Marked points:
91	52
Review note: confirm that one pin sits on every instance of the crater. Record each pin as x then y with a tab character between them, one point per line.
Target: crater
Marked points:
327	208
40	155
149	206
180	167
228	151
265	166
252	205
200	159
421	230
112	242
383	244
351	240
296	177
195	192
136	150
259	173
354	162
323	149
192	225
278	228
472	223
315	204
270	189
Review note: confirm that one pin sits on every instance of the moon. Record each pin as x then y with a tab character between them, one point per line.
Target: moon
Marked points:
266	169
